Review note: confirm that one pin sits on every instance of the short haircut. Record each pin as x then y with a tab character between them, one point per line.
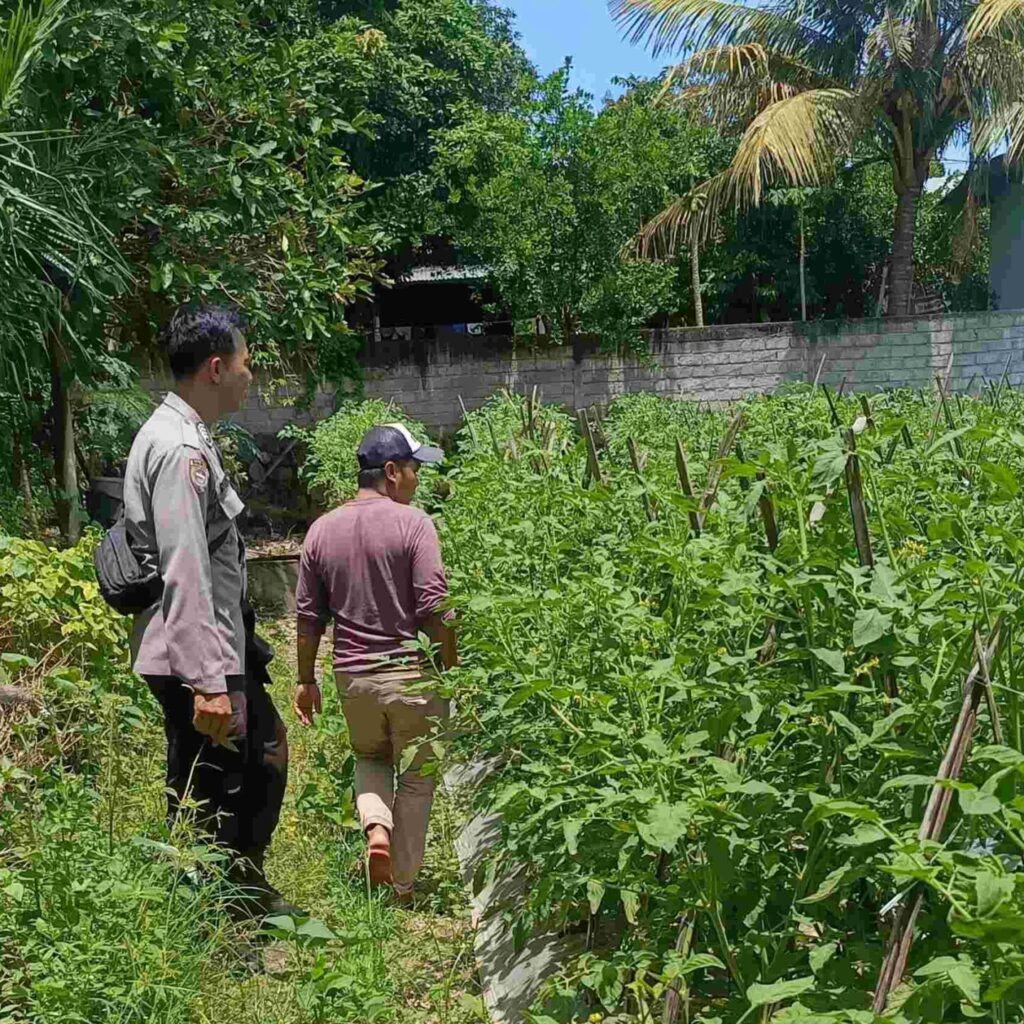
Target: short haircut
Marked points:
195	332
374	476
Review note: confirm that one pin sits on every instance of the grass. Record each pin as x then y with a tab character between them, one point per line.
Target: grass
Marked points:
97	926
410	966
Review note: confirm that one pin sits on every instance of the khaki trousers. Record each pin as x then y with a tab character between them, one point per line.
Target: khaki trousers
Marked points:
383	719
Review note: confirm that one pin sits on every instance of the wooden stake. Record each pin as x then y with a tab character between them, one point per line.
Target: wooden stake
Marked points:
717	467
901	938
469	422
593	466
831	407
990	697
866	406
634	458
858	510
767	509
683	471
675	994
821	366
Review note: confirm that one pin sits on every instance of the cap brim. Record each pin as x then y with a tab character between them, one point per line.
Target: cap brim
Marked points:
425	453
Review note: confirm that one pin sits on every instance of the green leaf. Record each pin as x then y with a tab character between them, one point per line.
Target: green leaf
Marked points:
630	904
991	891
571	829
820	955
862	835
845	808
664	826
315	929
966	979
761	995
973	802
833	659
835	880
595	893
906	781
282	922
869	624
676	967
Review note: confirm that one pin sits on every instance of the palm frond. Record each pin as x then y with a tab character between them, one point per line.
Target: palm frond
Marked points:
796	140
24	32
669	26
735	83
992	17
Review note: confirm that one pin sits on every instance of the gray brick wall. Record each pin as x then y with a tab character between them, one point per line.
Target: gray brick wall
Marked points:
715	364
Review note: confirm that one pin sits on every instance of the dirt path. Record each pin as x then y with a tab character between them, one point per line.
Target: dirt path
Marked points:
390	965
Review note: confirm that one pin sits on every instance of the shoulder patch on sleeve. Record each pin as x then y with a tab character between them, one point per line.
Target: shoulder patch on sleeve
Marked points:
199	474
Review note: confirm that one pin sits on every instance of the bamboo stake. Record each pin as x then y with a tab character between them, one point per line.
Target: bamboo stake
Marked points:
717	467
469	422
831	407
858	510
821	366
593	466
767	509
933	822
676	995
683	471
990	697
645	498
866	406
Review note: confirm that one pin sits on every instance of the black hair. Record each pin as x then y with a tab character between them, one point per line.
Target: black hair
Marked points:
197	331
372	477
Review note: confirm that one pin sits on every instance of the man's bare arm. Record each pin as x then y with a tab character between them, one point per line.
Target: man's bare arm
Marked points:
442	633
307	644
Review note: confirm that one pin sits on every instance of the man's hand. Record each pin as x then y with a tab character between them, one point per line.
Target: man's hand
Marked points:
211	716
307	702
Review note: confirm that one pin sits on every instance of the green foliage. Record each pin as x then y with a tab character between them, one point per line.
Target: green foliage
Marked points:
89	933
698	725
329	467
50	599
550	197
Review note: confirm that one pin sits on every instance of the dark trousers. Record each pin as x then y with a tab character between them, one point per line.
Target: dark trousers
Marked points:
239	794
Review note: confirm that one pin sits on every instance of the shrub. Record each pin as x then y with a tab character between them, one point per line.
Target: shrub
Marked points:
330	468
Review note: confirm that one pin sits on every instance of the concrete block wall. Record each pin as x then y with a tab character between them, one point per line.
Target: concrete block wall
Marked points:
715	364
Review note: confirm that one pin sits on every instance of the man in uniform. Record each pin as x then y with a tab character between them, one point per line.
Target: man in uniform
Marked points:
226	744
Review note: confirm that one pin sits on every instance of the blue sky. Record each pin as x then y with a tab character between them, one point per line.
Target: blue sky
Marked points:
552	30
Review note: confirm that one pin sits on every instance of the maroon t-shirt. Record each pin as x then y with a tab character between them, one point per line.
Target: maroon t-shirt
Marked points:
374	566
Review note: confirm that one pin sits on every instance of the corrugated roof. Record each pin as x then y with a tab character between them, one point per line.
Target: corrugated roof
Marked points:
428	275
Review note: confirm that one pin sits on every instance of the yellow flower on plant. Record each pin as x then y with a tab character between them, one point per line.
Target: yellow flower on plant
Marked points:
865	669
595	1018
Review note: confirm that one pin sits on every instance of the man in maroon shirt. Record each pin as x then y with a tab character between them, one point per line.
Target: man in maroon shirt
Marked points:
373	566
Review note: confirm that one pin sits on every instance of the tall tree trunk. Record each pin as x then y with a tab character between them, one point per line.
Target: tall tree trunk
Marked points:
698	303
63	424
803	261
901	270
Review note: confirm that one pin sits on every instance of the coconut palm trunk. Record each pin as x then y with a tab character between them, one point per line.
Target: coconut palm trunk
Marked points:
901	271
698	303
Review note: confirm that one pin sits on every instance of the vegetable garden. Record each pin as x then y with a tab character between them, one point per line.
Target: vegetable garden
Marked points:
719	658
716	662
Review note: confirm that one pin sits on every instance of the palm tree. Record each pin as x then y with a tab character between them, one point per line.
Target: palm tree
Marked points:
51	242
813	85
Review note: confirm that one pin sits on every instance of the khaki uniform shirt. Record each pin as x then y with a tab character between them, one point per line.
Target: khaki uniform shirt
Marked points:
178	503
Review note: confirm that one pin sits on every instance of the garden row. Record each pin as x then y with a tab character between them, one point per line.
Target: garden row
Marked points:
719	658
